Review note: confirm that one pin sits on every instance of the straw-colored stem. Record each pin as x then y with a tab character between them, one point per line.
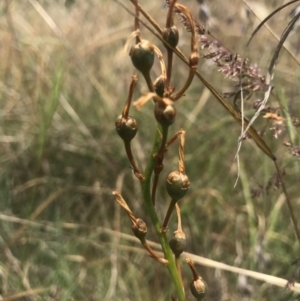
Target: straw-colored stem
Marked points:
186	85
179	228
288	201
169	67
169	23
153	254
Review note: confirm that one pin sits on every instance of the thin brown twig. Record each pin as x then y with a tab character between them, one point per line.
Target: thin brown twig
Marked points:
288	201
169	23
287	47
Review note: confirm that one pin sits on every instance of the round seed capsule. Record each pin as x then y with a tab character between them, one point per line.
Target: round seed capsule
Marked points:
177	185
171	36
198	288
142	56
126	127
159	86
164	114
177	242
139	228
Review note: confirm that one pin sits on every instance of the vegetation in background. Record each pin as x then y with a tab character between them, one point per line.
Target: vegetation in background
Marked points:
64	78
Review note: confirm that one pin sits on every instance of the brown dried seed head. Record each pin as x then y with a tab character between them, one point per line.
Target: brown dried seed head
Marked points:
142	56
164	114
198	288
171	36
126	127
139	228
159	85
177	242
177	185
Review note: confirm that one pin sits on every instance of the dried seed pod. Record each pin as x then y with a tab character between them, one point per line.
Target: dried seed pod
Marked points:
198	288
171	36
159	86
177	185
139	229
177	242
164	114
142	56
126	127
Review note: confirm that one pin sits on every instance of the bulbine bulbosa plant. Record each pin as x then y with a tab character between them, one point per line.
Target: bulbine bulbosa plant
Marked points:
164	96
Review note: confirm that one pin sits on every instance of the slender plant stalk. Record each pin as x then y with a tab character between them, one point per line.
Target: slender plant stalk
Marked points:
146	190
289	203
169	23
159	159
148	81
168	215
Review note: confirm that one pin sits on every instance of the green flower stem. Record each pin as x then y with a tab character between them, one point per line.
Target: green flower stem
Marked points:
159	162
146	190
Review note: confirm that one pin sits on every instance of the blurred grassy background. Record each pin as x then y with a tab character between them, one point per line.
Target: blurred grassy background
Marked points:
64	78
